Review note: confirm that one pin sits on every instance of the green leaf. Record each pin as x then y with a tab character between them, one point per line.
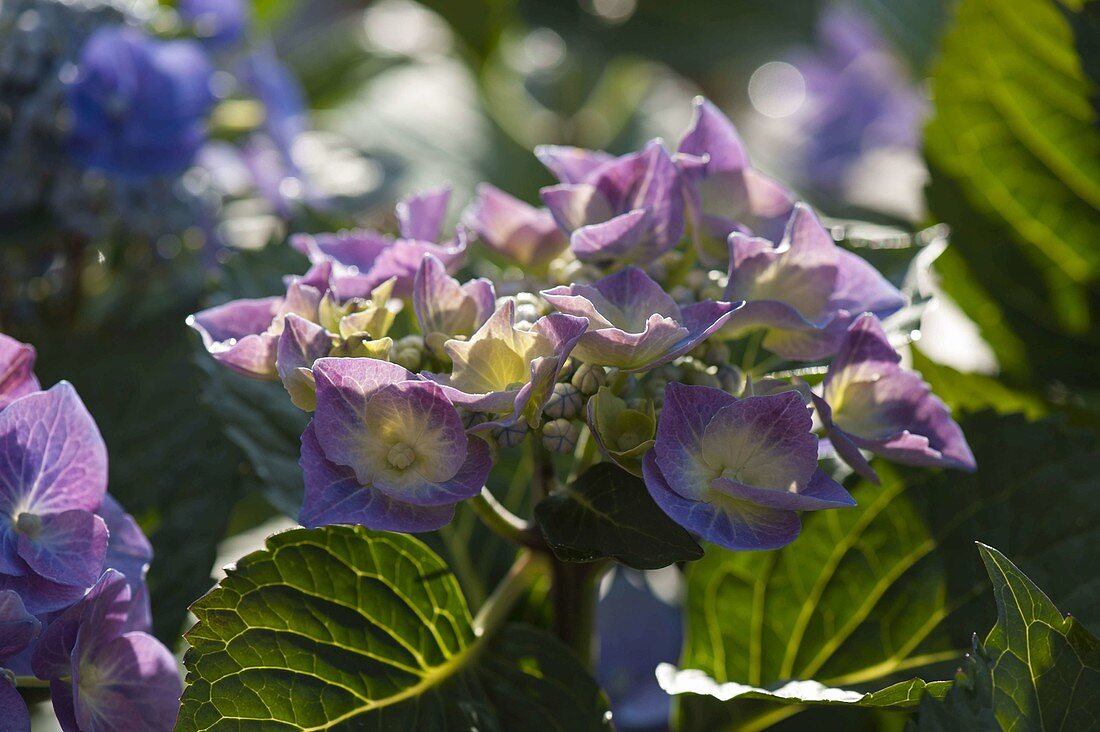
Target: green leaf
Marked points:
871	596
1015	127
967	392
1014	155
607	512
1036	669
345	628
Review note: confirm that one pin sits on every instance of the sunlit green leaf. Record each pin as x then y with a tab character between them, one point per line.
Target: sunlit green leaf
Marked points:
1037	669
345	628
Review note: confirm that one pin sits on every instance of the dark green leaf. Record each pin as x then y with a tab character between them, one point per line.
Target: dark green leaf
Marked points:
1085	21
607	512
345	628
874	595
1036	669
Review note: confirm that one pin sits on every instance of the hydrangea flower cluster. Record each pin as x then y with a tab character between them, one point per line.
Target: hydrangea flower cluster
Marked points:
74	610
638	284
108	124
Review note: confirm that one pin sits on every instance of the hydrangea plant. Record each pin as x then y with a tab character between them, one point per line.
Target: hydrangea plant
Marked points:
657	352
74	609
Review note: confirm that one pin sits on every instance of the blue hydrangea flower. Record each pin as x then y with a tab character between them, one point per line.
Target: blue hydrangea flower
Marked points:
139	105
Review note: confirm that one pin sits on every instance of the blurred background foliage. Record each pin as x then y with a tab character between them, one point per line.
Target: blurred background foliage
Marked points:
978	114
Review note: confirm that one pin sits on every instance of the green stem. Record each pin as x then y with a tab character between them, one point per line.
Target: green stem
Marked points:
496	609
543	478
30	682
575	590
505	523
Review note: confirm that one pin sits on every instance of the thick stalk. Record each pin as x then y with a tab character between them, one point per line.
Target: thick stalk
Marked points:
574	590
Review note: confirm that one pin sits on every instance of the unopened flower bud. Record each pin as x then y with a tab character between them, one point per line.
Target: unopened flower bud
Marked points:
512	435
566	401
731	379
588	378
472	419
560	435
409	352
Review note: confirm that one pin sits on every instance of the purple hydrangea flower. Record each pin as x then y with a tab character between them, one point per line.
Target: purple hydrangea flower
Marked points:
507	371
859	98
244	334
103	676
17	629
363	259
16	370
129	552
446	309
629	208
219	23
804	291
53	477
139	105
736	471
726	193
527	235
386	450
871	402
633	324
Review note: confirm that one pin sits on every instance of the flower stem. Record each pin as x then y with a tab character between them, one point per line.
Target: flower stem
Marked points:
494	612
505	523
575	590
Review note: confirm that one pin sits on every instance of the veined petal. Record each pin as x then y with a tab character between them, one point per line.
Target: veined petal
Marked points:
576	205
685	415
333	495
127	682
731	523
54	457
762	441
344	387
411	439
444	306
67	547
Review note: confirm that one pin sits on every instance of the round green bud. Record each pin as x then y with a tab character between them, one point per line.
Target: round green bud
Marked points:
588	378
566	401
560	436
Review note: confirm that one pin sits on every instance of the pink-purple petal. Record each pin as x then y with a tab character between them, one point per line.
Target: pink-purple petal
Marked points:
300	345
16	370
575	205
344	387
820	492
235	334
571	164
525	234
420	216
52	457
686	412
